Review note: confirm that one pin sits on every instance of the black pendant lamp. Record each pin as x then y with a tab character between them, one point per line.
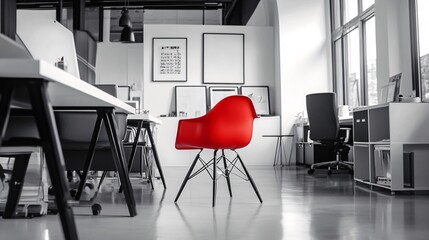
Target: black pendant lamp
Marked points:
125	18
127	33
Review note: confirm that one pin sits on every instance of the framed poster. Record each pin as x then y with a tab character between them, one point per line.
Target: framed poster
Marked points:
223	58
396	81
169	59
260	97
219	93
124	93
191	101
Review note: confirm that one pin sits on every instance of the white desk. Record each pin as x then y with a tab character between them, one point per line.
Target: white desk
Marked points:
145	121
50	87
145	117
64	90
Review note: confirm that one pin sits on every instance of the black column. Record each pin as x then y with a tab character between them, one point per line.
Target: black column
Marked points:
8	18
59	11
79	14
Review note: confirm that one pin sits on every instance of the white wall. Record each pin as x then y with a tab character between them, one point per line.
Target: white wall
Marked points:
259	61
393	43
120	64
302	39
266	14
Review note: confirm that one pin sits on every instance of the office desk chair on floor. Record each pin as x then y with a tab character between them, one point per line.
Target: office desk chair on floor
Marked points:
228	125
325	129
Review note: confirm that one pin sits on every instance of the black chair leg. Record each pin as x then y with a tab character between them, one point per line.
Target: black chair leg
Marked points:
214	179
15	184
250	179
187	176
228	181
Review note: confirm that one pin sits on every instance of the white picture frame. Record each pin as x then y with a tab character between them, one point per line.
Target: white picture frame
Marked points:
260	97
169	59
191	101
223	58
218	93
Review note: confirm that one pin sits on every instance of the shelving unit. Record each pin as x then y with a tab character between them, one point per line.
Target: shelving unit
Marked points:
401	129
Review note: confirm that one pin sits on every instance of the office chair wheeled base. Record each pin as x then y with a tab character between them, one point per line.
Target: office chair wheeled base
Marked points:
332	164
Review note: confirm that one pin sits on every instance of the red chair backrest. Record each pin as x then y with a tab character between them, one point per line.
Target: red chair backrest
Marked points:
229	125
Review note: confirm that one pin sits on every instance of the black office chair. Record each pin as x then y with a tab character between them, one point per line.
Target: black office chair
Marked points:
325	129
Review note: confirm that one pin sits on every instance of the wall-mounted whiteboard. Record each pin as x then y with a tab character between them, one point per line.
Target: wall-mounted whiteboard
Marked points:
223	58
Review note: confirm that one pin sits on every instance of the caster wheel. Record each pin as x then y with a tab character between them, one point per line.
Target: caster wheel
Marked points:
310	171
329	172
73	192
51	191
89	185
96	209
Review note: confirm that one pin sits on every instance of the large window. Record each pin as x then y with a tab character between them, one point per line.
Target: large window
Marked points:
423	40
371	62
354	52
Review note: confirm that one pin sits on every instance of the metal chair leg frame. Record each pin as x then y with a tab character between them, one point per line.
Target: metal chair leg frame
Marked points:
214	178
228	181
187	176
250	178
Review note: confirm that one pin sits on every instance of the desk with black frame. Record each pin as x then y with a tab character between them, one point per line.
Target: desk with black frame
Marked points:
50	87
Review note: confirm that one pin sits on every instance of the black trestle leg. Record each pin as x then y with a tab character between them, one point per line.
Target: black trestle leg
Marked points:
133	150
119	162
90	155
187	176
6	94
47	128
250	179
144	153
214	178
155	154
228	181
15	184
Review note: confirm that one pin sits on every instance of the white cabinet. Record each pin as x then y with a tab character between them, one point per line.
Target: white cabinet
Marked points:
260	150
391	146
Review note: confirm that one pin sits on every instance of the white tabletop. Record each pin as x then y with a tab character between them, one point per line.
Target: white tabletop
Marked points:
64	90
145	117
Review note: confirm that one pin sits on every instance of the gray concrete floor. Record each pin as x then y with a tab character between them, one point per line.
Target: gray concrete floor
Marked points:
296	206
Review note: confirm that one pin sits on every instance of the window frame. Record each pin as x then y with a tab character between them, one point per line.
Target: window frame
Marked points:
340	34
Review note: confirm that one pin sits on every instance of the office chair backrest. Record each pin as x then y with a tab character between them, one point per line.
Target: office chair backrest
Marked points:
323	116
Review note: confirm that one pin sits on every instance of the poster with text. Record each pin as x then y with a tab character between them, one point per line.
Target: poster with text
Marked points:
169	59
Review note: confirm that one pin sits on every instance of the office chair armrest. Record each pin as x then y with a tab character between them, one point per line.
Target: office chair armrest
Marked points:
346	139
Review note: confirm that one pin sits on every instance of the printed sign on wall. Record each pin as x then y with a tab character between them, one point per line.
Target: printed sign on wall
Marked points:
169	59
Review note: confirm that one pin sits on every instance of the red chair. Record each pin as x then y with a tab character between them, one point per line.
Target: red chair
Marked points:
228	125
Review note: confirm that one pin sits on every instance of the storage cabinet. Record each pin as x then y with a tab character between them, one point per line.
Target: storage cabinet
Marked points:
391	146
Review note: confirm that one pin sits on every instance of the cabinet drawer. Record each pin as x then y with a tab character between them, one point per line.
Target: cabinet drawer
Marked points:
360	126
